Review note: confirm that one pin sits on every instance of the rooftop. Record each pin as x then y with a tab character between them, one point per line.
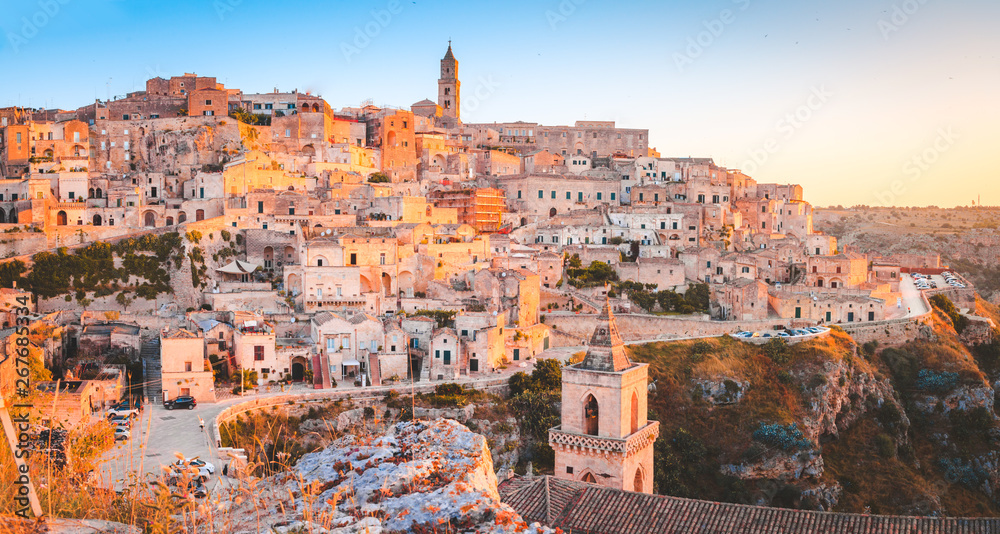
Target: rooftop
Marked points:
590	509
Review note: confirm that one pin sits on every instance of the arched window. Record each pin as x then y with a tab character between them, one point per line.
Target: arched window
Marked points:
591	413
199	215
181	217
589	478
637	482
97	220
98	193
635	413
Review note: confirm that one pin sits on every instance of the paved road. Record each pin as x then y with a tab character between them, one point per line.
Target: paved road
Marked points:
159	435
913	304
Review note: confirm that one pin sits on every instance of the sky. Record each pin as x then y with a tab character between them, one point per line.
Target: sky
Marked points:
875	102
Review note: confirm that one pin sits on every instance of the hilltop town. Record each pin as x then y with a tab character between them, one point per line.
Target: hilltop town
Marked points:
196	245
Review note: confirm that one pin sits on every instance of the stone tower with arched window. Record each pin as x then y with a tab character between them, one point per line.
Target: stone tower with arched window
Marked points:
449	87
605	437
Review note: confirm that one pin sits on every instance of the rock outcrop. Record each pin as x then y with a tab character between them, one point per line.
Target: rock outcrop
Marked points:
418	477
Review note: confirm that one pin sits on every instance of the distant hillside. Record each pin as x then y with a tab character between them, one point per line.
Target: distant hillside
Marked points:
966	238
829	425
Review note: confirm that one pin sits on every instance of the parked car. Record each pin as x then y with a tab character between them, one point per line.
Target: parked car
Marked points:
121	420
183	401
124	409
743	335
784	334
122	432
196	462
800	332
814	330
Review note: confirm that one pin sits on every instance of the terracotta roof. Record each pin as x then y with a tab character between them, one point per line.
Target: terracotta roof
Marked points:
584	508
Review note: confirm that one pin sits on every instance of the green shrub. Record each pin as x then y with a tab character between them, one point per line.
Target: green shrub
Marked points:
885	446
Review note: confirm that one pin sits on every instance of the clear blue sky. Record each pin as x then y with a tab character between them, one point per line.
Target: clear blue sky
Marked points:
886	89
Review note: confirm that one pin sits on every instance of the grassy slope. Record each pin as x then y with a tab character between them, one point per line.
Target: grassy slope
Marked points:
904	483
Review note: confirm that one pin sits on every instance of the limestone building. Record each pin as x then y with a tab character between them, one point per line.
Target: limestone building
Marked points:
605	437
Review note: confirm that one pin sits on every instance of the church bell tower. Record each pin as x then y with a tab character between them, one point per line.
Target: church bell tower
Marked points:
449	88
605	437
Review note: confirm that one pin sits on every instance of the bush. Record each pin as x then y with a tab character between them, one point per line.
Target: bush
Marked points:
885	446
787	437
777	350
701	347
938	382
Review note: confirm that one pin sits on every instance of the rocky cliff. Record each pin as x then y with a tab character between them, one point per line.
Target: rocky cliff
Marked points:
417	477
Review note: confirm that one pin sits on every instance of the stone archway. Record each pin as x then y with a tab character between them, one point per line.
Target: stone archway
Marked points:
149	219
3	216
366	285
170	221
387	284
591	416
97	220
298	369
61	218
293	285
182	217
405	282
552	212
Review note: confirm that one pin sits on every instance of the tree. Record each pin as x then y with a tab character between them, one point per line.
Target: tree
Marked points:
124	300
547	375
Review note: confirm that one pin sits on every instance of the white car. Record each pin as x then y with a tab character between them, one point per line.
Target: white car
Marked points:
204	468
122	432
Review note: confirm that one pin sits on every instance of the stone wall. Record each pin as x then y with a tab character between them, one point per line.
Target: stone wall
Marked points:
634	327
890	332
21	243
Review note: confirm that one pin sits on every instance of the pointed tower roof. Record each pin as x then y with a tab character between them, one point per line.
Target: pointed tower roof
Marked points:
448	55
606	351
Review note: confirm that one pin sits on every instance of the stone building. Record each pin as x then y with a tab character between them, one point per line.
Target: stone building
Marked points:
185	369
605	437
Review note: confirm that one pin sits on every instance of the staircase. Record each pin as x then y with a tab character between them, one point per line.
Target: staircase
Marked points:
152	376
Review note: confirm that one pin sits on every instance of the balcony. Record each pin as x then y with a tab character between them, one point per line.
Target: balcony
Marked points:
624	446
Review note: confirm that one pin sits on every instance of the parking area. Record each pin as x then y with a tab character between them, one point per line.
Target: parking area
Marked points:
792	334
945	280
157	439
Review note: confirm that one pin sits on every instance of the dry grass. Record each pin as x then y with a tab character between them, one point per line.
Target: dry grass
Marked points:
772	397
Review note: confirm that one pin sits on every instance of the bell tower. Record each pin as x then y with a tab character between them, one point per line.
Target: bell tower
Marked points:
449	88
604	437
